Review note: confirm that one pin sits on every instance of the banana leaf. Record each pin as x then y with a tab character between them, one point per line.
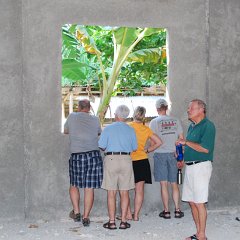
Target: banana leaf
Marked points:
86	41
125	36
152	55
72	69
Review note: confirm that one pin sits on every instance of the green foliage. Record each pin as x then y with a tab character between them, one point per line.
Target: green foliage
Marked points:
89	56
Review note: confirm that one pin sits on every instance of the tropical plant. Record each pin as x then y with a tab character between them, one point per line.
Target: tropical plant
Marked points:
105	58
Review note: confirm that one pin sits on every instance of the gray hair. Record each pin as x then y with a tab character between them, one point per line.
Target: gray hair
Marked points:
201	104
122	111
84	104
139	113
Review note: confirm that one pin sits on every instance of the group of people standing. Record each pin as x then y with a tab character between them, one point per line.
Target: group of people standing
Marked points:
126	165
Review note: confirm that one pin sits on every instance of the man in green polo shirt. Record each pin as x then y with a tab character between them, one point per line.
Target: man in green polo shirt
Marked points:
198	156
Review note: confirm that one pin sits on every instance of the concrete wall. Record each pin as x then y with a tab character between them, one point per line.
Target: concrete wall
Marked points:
11	112
224	99
196	69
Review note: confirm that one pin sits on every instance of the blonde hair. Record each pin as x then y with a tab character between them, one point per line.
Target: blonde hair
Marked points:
139	114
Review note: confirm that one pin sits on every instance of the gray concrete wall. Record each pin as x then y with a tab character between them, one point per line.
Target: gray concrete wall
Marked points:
44	163
11	112
224	99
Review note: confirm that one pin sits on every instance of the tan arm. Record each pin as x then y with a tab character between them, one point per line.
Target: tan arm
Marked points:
197	147
155	143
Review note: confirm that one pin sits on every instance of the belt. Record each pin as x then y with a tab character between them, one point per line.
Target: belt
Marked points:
117	153
191	163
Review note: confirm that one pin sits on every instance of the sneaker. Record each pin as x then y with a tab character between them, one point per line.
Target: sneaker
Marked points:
86	222
75	217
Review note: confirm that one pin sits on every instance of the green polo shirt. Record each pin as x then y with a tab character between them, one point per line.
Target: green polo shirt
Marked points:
202	133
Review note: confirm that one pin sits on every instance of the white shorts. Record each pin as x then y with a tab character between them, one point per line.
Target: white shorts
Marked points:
196	182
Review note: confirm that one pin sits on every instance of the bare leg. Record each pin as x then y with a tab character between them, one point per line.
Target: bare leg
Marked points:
129	211
164	194
88	201
202	220
124	194
111	204
75	198
175	195
139	196
199	213
195	215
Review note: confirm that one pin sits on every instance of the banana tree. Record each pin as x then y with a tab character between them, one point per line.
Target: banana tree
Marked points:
112	59
124	39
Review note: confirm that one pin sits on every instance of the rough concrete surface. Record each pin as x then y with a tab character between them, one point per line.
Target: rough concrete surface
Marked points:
221	225
204	62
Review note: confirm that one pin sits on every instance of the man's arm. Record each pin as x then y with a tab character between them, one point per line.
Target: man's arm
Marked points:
66	127
206	141
102	142
196	146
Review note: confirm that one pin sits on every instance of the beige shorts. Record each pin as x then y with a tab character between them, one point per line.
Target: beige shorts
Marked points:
118	173
196	182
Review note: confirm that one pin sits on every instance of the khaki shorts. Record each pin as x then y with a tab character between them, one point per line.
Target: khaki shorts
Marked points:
196	182
118	173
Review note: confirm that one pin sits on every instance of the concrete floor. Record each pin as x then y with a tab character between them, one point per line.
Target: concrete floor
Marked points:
222	225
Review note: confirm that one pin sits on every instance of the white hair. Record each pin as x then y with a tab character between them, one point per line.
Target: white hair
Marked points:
122	111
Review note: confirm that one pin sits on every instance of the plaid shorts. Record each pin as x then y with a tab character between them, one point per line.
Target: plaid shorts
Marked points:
86	169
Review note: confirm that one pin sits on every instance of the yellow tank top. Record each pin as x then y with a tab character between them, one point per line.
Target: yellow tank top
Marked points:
143	133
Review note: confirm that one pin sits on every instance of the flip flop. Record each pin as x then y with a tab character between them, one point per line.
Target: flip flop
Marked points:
193	237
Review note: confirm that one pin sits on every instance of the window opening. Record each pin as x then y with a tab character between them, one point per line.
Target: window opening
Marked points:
112	66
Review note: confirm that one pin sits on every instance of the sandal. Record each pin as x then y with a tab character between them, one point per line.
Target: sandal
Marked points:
194	237
110	225
179	214
124	225
76	217
165	214
86	222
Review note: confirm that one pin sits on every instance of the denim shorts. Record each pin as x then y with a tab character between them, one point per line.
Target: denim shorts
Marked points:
165	167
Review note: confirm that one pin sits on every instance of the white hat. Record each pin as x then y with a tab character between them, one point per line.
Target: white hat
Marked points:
161	102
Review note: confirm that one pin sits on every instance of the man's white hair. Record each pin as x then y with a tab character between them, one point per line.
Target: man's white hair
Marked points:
122	111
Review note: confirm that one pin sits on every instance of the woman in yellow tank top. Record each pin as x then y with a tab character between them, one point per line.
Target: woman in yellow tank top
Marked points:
141	166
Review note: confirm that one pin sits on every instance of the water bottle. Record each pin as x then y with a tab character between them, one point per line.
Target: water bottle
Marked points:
179	176
179	152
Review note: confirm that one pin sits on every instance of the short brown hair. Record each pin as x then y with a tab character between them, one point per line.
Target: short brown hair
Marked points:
84	104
